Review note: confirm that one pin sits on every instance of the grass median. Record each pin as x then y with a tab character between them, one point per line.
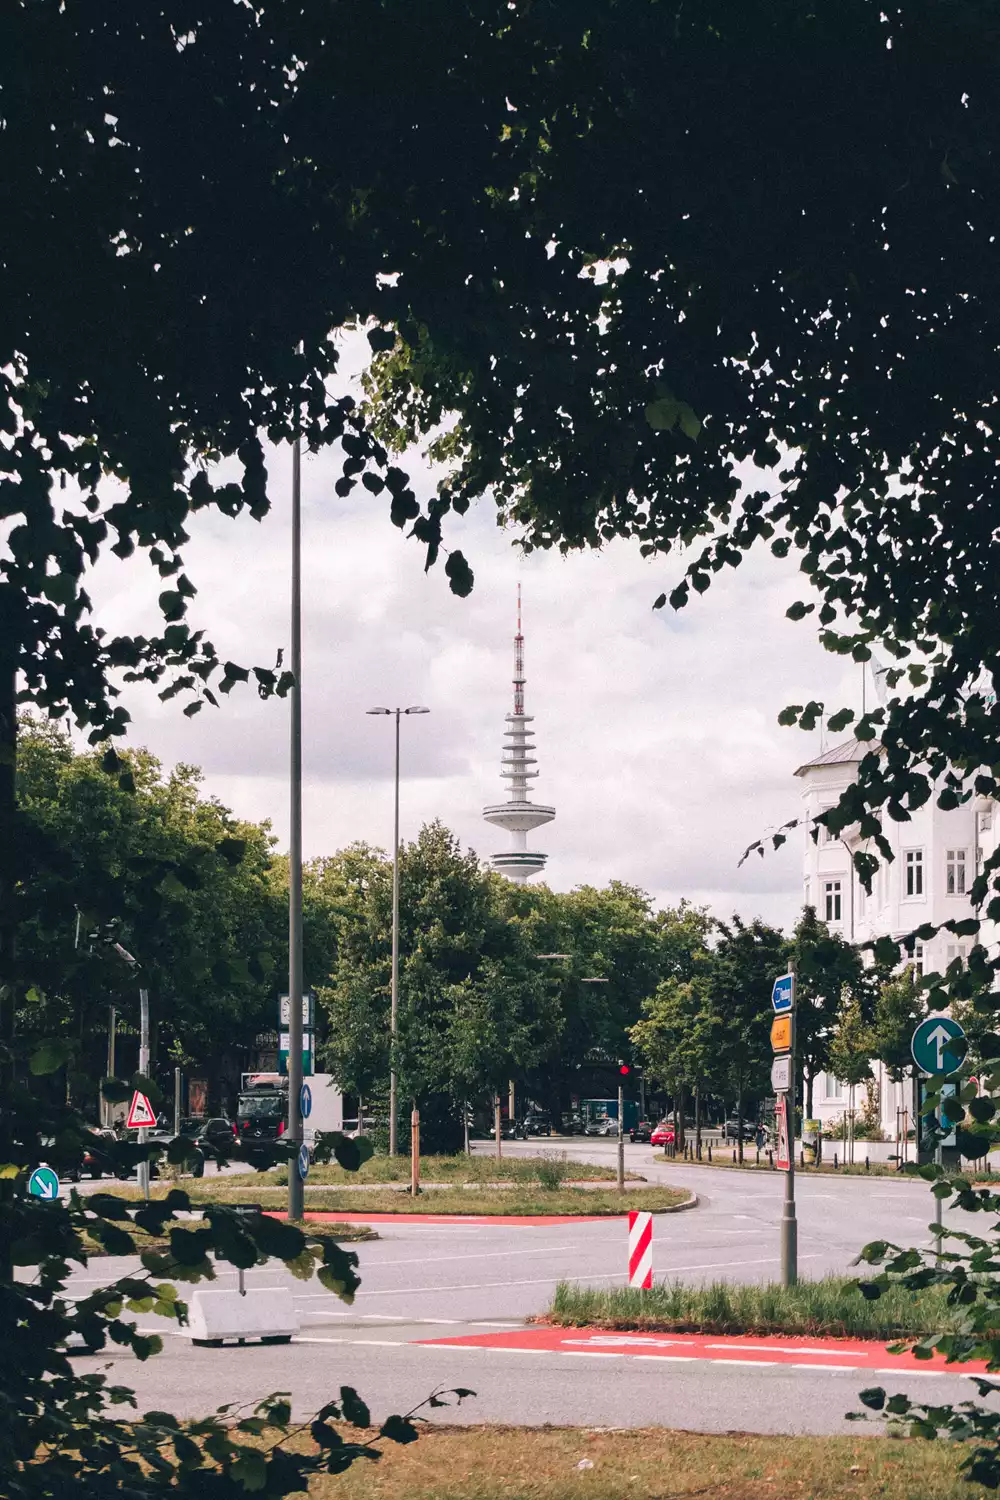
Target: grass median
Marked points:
832	1306
462	1169
343	1234
557	1463
517	1198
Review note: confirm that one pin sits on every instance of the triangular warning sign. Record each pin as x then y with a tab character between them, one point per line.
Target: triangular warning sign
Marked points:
140	1112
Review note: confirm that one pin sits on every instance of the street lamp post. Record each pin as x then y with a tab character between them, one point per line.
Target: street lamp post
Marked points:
394	1022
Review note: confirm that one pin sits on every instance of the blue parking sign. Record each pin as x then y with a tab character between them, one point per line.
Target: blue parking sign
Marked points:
783	994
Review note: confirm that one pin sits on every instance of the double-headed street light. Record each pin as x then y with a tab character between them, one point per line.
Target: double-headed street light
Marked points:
399	712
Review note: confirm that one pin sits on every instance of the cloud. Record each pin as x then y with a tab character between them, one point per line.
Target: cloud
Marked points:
656	732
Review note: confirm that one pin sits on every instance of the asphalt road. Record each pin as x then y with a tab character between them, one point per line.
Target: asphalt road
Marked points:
421	1282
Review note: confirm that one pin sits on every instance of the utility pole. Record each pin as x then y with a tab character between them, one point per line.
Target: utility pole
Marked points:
394	1003
143	1168
621	1133
112	1028
296	1196
789	1225
177	1101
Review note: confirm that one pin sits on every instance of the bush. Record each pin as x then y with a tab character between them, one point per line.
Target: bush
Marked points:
550	1171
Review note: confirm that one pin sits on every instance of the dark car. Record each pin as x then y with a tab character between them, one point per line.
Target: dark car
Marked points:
215	1135
538	1122
194	1163
642	1130
734	1129
98	1155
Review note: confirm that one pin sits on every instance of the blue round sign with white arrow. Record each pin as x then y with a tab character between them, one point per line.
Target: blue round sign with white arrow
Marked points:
938	1045
43	1183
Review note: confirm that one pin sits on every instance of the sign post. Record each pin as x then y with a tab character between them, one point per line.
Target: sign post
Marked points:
938	1047
783	1073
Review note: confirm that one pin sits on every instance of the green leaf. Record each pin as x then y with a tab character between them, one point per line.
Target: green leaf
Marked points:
50	1056
459	575
398	1430
250	1469
354	1409
873	1397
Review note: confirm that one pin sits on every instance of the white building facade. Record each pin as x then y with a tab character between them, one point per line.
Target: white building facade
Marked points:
937	857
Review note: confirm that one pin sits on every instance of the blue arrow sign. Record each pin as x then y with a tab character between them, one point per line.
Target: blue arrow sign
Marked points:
938	1045
303	1162
783	994
43	1183
305	1101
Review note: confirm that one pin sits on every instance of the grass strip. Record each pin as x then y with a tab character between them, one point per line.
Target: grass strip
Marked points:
544	1463
462	1169
517	1198
832	1306
341	1233
723	1161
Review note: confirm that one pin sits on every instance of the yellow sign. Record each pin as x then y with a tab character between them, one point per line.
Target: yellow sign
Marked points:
781	1034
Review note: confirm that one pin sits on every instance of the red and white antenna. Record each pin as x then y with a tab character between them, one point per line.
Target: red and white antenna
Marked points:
518	814
519	660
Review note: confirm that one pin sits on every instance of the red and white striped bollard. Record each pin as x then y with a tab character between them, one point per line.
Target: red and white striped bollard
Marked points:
640	1250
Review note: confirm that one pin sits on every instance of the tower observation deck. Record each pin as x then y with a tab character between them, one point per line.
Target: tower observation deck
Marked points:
518	815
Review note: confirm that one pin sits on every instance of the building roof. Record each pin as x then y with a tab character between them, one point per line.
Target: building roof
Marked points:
848	753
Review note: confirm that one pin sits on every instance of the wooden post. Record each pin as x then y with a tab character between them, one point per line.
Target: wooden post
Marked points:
415	1150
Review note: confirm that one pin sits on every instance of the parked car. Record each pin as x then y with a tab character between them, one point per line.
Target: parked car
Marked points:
603	1125
642	1130
216	1136
537	1122
663	1134
734	1128
98	1157
195	1162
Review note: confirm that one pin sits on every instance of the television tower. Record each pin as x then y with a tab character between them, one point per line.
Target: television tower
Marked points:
517	814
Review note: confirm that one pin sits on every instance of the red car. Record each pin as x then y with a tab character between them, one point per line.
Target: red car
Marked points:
663	1135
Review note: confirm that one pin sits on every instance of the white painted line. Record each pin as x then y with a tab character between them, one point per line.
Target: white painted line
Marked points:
775	1349
823	1367
672	1359
588	1354
421	1260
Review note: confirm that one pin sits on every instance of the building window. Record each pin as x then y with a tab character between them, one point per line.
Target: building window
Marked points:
914	872
915	957
956	950
832	900
832	1087
955	877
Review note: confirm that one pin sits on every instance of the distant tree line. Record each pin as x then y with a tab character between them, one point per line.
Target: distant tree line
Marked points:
116	848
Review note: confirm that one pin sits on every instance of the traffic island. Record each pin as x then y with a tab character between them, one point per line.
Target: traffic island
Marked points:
507	1203
829	1307
574	1463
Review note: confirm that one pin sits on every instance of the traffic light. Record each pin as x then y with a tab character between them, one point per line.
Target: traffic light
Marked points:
624	1068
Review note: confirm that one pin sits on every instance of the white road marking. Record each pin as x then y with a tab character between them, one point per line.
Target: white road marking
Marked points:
421	1260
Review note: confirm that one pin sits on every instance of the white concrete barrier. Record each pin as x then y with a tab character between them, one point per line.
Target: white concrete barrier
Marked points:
266	1314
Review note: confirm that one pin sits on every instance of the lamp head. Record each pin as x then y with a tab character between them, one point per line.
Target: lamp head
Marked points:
378	710
416	710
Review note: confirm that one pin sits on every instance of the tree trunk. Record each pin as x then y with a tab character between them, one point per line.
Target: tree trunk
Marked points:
697	1119
682	1091
739	1123
496	1125
809	1097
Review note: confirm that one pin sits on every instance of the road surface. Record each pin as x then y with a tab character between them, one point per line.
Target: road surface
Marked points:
423	1282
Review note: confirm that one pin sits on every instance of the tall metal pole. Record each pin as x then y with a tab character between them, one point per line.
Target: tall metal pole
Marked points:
112	1027
394	1023
789	1226
296	1196
142	1171
621	1136
177	1101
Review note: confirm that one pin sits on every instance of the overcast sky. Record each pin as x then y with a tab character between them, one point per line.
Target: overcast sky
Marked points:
657	734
